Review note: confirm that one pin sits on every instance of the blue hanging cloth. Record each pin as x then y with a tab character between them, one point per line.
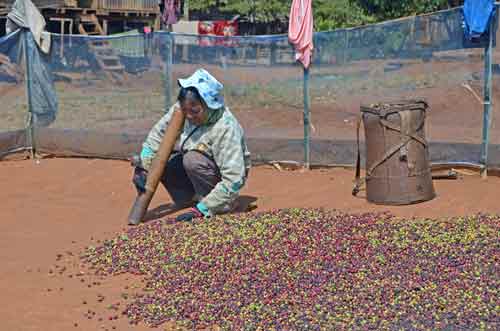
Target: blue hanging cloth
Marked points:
477	15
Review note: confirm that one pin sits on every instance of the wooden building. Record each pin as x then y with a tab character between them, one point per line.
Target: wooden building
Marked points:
92	16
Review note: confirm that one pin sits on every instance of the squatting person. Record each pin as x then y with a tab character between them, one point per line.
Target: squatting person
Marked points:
210	161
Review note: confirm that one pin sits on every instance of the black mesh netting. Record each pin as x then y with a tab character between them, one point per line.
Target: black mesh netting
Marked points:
111	90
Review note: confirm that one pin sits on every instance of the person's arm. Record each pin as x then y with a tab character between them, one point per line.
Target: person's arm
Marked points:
229	157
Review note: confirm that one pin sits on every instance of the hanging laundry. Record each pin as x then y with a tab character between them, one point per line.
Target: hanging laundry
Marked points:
171	11
221	28
300	30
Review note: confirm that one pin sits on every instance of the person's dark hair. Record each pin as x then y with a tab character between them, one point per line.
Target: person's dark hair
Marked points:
189	93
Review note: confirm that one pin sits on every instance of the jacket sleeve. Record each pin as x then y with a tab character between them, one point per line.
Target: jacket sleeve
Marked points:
229	157
152	143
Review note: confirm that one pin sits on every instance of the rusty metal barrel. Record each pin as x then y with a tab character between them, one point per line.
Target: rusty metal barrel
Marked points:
398	168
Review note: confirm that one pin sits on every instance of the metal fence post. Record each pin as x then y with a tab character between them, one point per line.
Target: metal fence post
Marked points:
307	136
168	71
487	106
30	127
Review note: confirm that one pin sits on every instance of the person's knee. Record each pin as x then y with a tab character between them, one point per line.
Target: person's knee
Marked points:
173	169
202	171
193	162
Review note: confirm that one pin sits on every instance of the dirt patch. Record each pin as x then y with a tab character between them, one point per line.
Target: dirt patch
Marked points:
52	210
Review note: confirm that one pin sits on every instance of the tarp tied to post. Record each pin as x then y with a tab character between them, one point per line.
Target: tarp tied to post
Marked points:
42	97
300	30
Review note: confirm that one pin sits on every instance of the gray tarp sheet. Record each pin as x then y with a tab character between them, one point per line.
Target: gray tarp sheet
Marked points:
42	97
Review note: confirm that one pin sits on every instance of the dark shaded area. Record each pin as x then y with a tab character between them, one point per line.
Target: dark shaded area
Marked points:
86	143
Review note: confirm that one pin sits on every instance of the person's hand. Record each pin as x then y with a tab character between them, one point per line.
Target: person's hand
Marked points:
190	215
139	179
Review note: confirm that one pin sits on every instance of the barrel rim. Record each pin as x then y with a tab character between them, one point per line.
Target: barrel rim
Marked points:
392	107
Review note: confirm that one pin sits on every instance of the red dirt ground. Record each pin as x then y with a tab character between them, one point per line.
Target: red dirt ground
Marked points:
61	206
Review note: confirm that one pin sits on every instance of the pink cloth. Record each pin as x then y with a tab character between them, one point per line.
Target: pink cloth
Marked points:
300	30
171	12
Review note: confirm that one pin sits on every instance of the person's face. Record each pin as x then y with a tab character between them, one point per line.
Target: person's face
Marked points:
194	111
